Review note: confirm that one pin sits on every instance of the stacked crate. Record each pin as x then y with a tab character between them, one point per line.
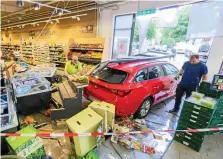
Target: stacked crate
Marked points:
193	116
217	119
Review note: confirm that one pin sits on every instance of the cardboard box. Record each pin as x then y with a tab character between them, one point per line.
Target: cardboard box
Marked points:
87	121
106	111
27	146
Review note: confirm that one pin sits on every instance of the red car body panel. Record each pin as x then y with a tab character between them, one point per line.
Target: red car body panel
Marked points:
128	96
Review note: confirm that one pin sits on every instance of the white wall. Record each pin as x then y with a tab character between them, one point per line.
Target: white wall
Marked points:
215	57
107	15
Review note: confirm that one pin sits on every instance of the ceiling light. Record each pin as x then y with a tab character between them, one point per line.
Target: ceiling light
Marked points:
36	6
78	18
73	17
51	22
37	24
60	12
20	3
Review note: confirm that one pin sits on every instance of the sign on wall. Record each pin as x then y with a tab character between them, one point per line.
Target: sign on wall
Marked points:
86	29
122	46
48	32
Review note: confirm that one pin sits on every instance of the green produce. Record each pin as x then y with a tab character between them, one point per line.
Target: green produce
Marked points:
197	95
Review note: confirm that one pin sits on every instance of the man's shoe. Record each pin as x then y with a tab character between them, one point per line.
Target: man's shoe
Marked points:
173	110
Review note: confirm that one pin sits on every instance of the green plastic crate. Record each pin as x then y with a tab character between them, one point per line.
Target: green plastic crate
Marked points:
193	145
216	122
195	115
190	136
194	105
185	126
205	88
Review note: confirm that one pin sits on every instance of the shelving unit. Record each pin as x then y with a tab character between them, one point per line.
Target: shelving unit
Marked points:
56	55
41	52
27	53
88	53
8	49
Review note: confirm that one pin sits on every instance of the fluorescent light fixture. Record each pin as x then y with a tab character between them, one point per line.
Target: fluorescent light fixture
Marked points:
45	5
60	12
36	6
20	3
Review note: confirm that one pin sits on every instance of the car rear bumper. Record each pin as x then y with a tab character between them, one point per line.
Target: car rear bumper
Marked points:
122	105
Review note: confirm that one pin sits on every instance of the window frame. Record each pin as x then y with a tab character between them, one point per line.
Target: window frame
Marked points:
165	71
160	65
146	68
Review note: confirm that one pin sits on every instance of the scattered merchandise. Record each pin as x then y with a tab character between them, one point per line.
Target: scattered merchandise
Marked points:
106	111
28	147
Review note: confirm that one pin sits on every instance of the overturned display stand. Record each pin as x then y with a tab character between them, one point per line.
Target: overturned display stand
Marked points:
70	97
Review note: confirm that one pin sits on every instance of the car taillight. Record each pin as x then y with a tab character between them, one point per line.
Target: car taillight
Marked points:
121	93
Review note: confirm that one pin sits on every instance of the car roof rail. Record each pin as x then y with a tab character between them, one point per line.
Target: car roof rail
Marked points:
138	59
131	59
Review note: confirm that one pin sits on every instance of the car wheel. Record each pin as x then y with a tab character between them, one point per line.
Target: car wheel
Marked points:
144	109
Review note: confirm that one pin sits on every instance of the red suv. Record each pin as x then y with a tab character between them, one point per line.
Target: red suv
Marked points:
132	86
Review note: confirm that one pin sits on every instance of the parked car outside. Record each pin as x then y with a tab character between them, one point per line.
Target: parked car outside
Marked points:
181	47
164	48
202	51
133	87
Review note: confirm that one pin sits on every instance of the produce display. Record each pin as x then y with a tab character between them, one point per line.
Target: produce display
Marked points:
208	102
205	102
26	83
87	68
91	46
197	95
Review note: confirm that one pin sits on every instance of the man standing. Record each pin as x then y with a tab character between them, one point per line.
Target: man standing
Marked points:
192	72
73	66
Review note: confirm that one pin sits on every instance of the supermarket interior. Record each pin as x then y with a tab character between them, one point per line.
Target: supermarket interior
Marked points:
104	79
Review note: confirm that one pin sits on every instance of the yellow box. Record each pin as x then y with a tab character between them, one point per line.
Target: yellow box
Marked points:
87	121
106	111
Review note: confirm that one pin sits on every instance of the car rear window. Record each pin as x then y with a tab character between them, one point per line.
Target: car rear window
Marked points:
111	75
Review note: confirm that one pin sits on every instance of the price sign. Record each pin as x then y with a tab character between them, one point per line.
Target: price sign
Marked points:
217	83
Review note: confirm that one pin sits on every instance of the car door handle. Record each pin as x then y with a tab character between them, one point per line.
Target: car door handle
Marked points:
156	87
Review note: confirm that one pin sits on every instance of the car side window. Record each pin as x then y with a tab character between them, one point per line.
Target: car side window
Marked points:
142	75
170	69
155	72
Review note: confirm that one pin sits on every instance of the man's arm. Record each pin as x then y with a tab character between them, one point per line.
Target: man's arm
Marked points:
204	77
65	70
205	73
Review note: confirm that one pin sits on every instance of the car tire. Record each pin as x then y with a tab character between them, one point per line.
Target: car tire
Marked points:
143	109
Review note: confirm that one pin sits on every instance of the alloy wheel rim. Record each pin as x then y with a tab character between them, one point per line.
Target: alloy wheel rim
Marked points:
145	108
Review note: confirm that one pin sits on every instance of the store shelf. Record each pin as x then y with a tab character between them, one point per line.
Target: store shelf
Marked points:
90	60
86	49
